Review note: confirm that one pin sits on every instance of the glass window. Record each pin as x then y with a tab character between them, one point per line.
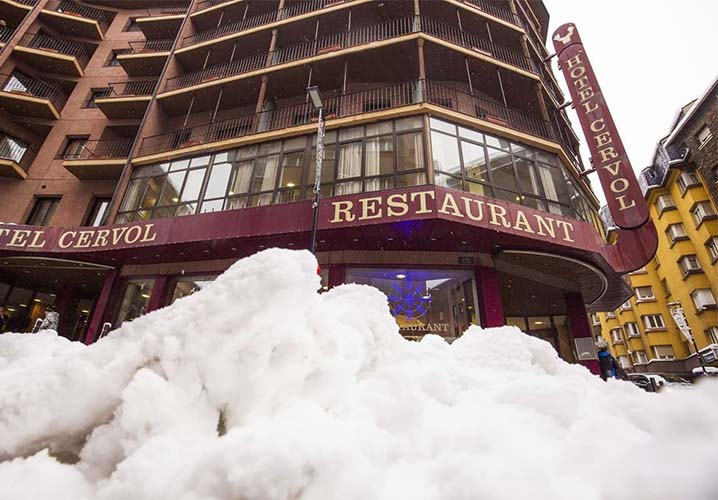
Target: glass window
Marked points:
135	300
410	151
218	180
152	192
241	178
442	125
349	161
265	171
75	147
172	188
193	185
501	169
329	163
188	285
379	156
440	302
474	158
43	211
99	212
445	151
448	181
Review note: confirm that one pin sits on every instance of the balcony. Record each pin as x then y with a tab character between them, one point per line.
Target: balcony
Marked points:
126	99
26	96
209	13
5	35
146	58
14	11
162	22
52	55
14	158
495	10
394	30
73	19
491	114
100	159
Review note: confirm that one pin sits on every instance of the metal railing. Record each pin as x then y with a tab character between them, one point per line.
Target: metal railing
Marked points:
52	44
146	46
494	9
167	10
103	17
6	34
11	149
258	20
337	105
136	88
100	150
206	4
352	38
23	85
26	2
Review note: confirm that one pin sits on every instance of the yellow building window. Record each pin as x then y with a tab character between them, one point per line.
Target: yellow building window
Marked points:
702	211
712	246
703	299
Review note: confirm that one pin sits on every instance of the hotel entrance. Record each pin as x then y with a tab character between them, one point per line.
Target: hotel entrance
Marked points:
29	285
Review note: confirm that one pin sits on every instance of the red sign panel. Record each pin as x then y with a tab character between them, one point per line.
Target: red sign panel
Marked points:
623	194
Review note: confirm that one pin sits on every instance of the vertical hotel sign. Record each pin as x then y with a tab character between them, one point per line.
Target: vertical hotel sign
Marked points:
623	194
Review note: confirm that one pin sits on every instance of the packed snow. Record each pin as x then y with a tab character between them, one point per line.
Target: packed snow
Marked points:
260	388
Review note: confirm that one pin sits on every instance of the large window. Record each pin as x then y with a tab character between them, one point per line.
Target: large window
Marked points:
378	156
442	302
98	213
135	300
479	163
188	285
43	210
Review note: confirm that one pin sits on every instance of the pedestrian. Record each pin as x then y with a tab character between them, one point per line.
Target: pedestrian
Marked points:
4	319
608	364
51	319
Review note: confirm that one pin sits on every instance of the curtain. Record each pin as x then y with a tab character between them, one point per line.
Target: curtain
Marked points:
349	160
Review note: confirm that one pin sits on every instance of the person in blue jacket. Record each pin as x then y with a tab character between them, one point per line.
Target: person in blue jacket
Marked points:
610	368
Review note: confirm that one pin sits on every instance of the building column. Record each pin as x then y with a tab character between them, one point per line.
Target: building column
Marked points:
336	275
491	310
98	314
580	327
159	292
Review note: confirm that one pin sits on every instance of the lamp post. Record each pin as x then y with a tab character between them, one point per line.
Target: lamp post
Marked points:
316	98
679	316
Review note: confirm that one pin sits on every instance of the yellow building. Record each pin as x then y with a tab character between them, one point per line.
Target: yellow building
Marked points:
642	333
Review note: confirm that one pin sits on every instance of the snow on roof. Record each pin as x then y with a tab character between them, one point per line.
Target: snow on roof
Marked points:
258	387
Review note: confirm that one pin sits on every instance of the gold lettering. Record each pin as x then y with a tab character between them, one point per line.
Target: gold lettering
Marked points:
624	185
498	212
585	94
613	167
603	139
565	226
608	154
146	237
581	83
522	223
595	128
19	238
545	224
342	207
134	239
622	201
422	195
370	208
117	233
84	240
589	107
101	238
35	243
577	72
467	205
399	204
574	61
61	242
450	203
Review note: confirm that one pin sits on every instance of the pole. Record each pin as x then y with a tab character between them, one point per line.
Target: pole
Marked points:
318	178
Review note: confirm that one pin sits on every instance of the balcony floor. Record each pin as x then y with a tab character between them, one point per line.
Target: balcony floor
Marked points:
49	61
11	169
119	108
95	169
23	104
71	24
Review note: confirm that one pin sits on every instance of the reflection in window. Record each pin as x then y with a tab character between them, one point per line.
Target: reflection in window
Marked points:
135	300
187	286
441	302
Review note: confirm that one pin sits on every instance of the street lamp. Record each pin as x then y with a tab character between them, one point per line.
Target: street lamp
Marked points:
679	316
316	98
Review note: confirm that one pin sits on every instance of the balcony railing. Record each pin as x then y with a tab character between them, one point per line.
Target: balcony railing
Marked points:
494	9
36	88
356	37
102	149
206	4
11	149
128	89
51	44
6	34
31	3
258	20
167	10
148	46
103	17
337	105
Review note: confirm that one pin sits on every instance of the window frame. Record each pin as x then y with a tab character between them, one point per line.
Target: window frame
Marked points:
655	325
702	304
49	214
646	298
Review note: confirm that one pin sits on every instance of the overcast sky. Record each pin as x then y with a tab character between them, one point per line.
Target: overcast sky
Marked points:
650	58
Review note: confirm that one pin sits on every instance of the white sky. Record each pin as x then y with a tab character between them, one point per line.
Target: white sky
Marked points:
650	58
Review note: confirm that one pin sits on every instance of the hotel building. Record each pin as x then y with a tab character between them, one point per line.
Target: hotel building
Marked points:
147	145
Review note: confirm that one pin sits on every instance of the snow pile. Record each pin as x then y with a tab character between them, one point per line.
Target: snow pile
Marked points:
258	388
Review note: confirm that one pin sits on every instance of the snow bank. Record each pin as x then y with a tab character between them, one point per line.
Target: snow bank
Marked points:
259	388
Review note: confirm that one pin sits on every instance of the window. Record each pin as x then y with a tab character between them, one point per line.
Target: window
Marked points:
98	214
664	202
616	335
96	94
632	329
74	147
43	211
689	265
594	319
11	148
640	357
666	288
611	315
135	300
626	306
703	299
687	180
625	361
702	211
112	58
132	25
677	232
653	322
187	286
704	135
712	334
712	246
644	293
664	352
